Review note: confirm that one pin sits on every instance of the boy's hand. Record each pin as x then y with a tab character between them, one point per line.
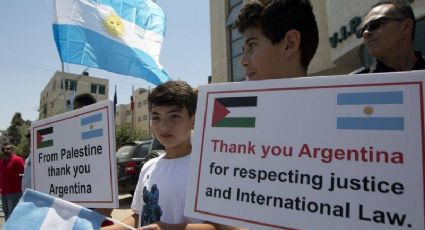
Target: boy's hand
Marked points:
150	227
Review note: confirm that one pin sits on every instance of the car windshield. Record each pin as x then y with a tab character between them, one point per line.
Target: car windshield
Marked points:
141	150
125	151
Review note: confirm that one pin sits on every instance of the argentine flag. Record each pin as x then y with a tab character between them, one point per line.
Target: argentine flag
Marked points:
37	210
371	110
121	36
88	124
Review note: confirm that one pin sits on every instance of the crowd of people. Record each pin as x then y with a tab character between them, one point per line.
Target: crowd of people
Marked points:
280	40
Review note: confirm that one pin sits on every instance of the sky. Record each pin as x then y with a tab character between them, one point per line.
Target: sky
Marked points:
28	55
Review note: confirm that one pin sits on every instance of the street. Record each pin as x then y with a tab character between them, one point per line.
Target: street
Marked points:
120	213
124	210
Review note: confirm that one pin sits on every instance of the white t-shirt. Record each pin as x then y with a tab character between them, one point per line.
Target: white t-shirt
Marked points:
26	179
161	191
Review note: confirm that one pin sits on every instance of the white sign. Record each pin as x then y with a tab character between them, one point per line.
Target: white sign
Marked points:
73	156
341	152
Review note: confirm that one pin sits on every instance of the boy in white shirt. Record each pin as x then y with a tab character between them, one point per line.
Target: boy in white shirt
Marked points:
159	198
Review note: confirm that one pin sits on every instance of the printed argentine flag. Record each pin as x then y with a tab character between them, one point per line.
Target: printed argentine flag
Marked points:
120	36
37	210
91	126
371	110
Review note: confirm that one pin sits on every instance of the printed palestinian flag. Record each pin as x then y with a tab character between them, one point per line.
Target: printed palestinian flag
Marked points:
223	107
44	138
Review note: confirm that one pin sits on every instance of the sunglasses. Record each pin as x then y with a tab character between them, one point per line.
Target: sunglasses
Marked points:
375	24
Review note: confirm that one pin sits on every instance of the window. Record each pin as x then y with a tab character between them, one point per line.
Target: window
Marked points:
45	110
118	113
54	85
68	104
102	89
139	119
139	104
128	112
232	3
420	35
93	88
69	85
145	102
97	89
52	104
145	117
235	41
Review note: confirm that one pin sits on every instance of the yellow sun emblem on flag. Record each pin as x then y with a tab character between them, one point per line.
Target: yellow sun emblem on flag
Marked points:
114	26
368	110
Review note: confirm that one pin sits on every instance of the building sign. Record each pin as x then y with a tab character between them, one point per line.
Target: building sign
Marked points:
337	152
345	32
73	156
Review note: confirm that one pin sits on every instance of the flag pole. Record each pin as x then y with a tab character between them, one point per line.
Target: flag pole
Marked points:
115	101
132	108
64	93
149	114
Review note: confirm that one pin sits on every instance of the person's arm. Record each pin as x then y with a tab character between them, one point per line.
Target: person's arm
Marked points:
200	226
131	221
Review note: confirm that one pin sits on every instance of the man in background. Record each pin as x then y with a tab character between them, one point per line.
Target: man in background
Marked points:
11	169
388	33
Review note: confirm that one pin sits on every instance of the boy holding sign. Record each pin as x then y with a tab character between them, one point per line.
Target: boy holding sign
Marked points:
280	38
160	194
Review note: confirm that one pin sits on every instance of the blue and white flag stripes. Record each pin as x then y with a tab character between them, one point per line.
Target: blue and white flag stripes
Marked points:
88	124
37	210
368	102
120	36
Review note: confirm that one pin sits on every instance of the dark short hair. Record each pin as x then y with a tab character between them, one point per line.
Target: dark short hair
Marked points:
276	17
6	145
401	9
83	100
178	93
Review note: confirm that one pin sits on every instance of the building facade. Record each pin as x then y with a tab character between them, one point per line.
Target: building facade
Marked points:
57	95
137	118
339	51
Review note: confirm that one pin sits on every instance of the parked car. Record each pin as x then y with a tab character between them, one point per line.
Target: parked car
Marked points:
130	159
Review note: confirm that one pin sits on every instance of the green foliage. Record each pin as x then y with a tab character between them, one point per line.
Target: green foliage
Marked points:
13	130
23	148
16	133
124	134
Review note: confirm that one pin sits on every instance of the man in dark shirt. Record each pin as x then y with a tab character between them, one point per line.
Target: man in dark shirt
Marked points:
388	33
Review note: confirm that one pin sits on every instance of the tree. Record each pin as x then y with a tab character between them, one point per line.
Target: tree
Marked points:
23	148
16	133
13	130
